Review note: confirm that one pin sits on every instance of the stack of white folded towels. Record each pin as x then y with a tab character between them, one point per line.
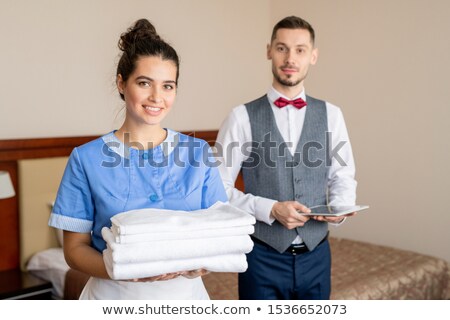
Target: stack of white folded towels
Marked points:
149	242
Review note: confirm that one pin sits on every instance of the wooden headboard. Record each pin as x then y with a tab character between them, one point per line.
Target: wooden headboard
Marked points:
11	152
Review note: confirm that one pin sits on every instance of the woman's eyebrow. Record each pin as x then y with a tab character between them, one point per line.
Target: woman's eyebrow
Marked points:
152	80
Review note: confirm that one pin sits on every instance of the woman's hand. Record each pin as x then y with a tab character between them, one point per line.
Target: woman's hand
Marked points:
194	273
161	277
191	274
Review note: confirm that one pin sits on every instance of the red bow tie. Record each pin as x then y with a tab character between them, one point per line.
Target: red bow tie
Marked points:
282	102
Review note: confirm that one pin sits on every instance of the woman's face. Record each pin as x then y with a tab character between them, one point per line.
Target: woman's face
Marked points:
149	91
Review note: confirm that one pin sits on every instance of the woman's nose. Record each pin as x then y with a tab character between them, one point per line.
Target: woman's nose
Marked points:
155	96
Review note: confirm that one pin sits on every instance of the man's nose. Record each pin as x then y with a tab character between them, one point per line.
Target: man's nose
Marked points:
289	58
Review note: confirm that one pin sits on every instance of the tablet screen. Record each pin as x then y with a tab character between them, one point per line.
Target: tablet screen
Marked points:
335	211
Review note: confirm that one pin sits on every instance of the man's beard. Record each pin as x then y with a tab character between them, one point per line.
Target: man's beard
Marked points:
286	82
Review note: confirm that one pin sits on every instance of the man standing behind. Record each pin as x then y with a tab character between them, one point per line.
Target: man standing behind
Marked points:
294	153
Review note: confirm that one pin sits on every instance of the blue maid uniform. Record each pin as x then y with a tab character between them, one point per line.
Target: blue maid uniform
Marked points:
104	177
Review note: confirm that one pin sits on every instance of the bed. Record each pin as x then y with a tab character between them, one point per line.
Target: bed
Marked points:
366	271
359	270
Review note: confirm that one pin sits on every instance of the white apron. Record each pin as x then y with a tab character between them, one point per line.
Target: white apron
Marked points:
179	288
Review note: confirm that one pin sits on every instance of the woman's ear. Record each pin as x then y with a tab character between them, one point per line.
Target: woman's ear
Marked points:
120	83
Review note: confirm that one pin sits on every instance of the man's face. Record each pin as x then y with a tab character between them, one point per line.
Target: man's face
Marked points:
291	52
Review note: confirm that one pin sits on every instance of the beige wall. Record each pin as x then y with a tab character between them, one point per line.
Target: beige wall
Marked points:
386	63
58	61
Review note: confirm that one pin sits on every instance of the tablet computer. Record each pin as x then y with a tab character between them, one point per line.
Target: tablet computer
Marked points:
334	211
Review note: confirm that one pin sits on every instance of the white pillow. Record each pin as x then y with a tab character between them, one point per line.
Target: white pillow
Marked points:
51	266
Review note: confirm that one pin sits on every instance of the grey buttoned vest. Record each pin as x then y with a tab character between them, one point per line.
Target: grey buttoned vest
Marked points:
272	172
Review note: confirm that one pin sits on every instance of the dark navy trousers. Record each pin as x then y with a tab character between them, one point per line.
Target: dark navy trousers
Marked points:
282	276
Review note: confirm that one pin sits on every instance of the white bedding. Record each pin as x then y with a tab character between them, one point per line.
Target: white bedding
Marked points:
51	266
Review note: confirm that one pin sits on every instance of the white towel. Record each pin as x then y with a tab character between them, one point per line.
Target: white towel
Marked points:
220	215
223	263
181	235
175	249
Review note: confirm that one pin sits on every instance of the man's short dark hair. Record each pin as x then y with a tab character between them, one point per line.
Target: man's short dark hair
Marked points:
293	22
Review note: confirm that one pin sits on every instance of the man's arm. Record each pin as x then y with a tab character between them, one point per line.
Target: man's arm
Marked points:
234	135
341	175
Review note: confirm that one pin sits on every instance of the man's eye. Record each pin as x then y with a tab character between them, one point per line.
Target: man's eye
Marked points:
281	49
168	87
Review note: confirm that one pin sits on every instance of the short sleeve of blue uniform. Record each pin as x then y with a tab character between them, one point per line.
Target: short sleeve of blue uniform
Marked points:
213	189
73	209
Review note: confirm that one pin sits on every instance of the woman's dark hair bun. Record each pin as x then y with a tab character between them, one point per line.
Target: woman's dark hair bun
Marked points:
141	30
141	40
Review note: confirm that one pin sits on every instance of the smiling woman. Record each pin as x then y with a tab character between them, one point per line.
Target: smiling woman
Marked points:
147	77
157	168
149	94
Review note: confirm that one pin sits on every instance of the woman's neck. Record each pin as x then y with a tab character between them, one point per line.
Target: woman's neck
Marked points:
141	138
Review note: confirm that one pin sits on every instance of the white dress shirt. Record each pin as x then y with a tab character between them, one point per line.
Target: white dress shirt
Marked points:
236	130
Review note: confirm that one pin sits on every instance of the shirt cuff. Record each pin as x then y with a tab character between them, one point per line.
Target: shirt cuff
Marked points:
59	221
263	208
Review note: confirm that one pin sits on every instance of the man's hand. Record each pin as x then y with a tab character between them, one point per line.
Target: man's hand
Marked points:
333	219
288	213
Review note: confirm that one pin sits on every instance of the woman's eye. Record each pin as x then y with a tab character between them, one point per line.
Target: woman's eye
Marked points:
143	84
168	87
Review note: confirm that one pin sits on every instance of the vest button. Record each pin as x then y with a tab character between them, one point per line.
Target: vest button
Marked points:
297	180
145	156
153	198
